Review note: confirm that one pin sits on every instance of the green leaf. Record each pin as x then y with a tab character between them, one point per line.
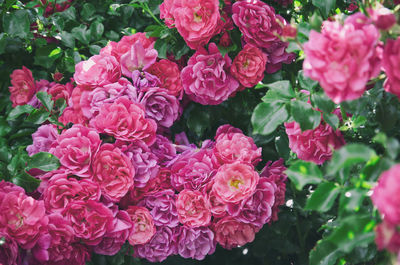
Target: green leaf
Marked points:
96	30
198	121
349	155
28	182
43	161
17	23
331	119
67	39
88	11
351	199
4	127
42	56
306	82
46	100
354	231
38	116
19	110
69	14
293	47
304	114
58	22
268	116
303	31
3	42
323	198
321	101
282	145
325	6
316	22
161	47
81	34
324	253
279	92
94	49
302	173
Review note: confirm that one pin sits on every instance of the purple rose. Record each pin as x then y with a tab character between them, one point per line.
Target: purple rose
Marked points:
144	79
164	149
196	243
42	139
8	250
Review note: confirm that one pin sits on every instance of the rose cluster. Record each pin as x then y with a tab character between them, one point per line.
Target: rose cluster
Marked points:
121	177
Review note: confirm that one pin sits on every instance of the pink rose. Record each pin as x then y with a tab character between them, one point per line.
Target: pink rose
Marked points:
43	138
387	237
382	17
113	171
126	43
230	233
125	120
340	57
170	76
90	220
391	57
143	226
137	58
196	21
23	218
75	148
249	65
257	21
217	206
235	182
386	194
314	145
58	91
8	250
99	70
23	87
196	243
193	208
231	147
207	79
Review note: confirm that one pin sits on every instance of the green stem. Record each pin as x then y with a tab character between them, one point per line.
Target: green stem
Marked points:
146	8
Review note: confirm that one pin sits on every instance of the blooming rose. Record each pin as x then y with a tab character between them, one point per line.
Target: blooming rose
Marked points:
8	250
62	190
193	169
143	80
137	58
143	226
159	105
42	139
161	245
386	193
257	209
207	79
126	42
235	146
340	57
231	233
193	208
249	65
125	120
217	206
170	76
58	91
23	86
235	182
387	237
391	57
23	218
315	145
113	171
99	70
162	207
196	243
196	21
257	21
114	239
75	148
163	149
90	220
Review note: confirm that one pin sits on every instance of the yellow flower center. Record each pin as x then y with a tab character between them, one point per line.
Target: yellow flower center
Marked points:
235	183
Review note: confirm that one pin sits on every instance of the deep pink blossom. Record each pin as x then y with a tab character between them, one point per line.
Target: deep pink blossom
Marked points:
23	86
390	63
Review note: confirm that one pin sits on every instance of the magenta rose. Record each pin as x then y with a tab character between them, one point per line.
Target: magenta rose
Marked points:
235	146
23	87
43	139
162	207
170	76
75	148
196	243
235	182
249	65
90	220
99	70
207	79
315	145
161	245
387	237
340	57
58	91
113	240
113	171
386	194
391	57
8	250
193	208
193	169
125	120
159	105
137	58
23	218
230	233
143	227
382	17
197	21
